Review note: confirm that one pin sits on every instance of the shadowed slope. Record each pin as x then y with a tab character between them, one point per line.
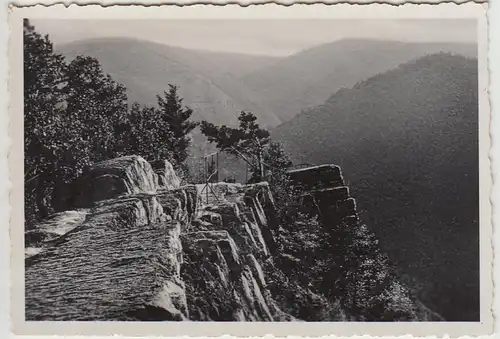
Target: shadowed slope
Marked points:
408	141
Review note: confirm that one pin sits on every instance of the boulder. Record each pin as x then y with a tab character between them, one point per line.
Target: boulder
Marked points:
56	225
240	222
114	178
325	195
167	178
125	212
259	199
316	177
96	274
180	204
193	200
173	204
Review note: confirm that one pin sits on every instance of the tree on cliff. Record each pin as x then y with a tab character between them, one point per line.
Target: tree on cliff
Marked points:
363	278
97	105
44	76
73	115
275	158
277	162
175	123
248	141
145	134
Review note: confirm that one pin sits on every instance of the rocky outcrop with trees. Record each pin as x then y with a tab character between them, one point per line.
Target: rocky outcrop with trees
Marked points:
116	228
138	246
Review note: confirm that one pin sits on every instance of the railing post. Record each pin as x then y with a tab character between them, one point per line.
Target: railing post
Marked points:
211	173
246	173
206	178
217	175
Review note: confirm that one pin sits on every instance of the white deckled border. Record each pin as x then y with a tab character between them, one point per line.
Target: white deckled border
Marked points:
23	3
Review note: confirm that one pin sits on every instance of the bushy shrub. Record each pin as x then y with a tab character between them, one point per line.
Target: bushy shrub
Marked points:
369	290
296	298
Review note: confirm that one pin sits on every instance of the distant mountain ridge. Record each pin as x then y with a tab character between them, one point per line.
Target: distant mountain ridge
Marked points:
408	142
219	85
206	79
237	64
306	79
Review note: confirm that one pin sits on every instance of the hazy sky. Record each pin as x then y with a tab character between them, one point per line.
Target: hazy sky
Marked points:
267	37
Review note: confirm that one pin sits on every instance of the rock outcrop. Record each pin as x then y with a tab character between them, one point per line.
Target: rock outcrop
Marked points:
325	193
167	178
379	295
139	246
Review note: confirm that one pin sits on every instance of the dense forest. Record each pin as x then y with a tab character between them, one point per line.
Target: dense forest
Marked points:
406	140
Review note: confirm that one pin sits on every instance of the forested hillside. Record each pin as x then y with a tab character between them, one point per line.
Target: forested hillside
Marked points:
407	140
306	79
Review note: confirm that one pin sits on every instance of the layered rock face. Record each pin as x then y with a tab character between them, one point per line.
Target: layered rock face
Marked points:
230	239
325	194
139	246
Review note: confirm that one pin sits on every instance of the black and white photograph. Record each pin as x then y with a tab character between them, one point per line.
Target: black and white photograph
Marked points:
252	170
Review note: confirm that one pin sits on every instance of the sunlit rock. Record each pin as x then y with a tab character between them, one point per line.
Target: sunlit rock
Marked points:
116	177
167	178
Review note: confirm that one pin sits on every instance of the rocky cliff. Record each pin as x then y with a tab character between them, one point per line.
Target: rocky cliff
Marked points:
139	246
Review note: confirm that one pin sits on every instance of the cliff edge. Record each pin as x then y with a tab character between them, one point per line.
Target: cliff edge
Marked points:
137	245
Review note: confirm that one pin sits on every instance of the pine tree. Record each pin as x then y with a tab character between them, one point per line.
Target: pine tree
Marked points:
175	122
146	135
247	142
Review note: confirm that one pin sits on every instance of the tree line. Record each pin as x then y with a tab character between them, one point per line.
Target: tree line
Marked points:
76	115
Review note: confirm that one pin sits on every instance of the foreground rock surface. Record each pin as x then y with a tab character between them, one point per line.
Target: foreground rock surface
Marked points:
139	246
101	274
